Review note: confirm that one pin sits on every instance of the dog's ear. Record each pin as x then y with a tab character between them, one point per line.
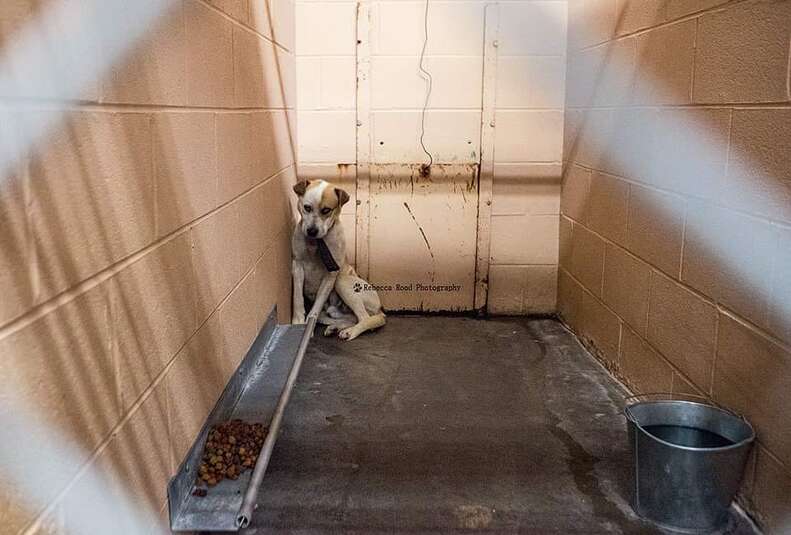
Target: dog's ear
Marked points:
343	197
300	187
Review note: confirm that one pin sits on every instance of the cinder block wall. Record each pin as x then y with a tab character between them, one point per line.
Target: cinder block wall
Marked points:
528	145
676	209
527	82
144	242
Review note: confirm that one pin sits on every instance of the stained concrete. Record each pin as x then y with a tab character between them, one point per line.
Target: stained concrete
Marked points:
440	425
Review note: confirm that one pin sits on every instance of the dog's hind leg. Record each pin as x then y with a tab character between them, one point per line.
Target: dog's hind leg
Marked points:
356	302
340	326
371	322
334	325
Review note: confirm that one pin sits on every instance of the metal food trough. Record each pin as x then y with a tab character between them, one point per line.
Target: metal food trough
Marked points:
257	393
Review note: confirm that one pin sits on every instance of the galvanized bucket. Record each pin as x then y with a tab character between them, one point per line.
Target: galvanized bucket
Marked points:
689	459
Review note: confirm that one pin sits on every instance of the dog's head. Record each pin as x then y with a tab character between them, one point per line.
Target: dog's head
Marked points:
319	205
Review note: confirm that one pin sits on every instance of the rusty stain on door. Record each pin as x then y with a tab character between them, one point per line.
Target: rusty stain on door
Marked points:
422	232
422	242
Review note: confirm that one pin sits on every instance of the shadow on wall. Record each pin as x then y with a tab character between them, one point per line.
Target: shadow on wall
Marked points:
677	209
144	248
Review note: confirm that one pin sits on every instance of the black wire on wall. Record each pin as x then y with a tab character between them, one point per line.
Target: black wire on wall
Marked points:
429	81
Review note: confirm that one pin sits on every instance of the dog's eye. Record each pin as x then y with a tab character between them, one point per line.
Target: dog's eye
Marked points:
307	208
326	211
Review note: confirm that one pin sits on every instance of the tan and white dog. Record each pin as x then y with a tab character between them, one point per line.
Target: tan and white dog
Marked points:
352	306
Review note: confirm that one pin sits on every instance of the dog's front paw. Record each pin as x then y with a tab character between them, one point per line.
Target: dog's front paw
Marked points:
348	334
330	330
298	319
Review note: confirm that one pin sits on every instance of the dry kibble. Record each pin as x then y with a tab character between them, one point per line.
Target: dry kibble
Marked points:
231	448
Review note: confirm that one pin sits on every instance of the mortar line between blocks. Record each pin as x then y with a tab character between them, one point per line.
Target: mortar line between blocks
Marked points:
32	260
86	106
662	25
694	61
683	240
788	73
271	39
716	351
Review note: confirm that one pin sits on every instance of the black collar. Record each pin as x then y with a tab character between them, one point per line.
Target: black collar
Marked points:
325	254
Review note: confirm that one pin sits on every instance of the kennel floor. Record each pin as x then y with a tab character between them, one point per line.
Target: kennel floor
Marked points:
448	424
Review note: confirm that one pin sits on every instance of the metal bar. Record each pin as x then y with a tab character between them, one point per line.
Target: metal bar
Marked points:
246	510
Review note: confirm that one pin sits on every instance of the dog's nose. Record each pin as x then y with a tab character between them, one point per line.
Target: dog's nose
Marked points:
312	232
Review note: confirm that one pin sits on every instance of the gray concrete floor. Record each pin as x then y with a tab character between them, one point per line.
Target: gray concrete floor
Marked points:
439	425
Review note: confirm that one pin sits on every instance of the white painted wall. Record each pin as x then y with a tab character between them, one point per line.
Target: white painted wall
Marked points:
531	67
528	132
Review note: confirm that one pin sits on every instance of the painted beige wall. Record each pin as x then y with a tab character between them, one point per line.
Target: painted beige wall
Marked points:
144	242
676	209
528	141
526	80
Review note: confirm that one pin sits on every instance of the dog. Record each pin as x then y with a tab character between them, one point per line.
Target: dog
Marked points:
352	306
